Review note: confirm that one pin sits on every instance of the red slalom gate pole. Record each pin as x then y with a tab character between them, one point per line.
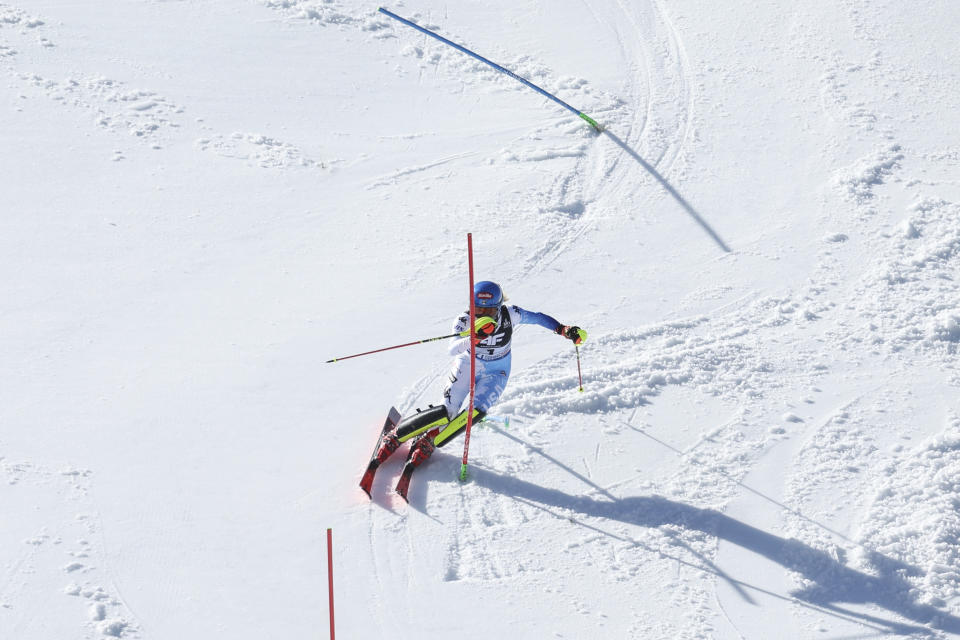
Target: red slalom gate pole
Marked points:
473	363
330	576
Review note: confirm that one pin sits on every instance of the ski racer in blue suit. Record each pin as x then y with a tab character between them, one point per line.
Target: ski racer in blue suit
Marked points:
495	322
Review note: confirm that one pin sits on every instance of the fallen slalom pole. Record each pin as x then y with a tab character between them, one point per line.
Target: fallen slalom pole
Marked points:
588	119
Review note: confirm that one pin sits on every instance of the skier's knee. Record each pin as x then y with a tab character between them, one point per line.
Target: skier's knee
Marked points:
456	426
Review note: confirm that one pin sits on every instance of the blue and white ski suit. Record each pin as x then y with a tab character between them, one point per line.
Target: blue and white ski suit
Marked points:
493	358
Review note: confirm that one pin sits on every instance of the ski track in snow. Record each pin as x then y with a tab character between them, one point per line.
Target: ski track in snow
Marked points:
582	160
67	547
653	119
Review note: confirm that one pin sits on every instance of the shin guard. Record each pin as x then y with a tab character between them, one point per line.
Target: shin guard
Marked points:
456	425
422	421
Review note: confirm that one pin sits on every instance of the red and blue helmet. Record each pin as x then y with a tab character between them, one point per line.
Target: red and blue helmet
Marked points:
488	296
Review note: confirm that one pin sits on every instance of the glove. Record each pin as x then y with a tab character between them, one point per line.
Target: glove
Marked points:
483	327
574	333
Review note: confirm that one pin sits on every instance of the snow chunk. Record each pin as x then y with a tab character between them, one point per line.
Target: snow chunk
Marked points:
98	611
13	16
908	230
112	628
860	180
258	149
946	326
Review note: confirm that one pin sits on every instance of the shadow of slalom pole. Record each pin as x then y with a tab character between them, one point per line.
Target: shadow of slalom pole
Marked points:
669	189
600	129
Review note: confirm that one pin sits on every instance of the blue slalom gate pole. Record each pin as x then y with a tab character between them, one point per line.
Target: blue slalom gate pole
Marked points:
496	66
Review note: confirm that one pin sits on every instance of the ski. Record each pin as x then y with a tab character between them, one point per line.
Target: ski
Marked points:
380	453
422	449
403	485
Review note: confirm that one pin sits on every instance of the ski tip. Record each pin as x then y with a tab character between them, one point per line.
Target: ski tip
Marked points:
366	482
393	417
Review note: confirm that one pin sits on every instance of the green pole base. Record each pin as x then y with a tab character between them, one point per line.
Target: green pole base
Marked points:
592	122
463	473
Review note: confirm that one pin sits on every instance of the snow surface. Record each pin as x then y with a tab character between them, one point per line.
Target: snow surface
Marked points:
204	201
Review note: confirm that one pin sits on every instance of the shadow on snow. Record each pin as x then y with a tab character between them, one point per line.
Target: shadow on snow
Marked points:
833	582
669	188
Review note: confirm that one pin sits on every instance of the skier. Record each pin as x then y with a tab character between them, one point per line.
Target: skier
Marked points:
494	323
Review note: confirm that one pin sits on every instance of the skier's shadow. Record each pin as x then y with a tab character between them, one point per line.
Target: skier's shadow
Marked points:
833	582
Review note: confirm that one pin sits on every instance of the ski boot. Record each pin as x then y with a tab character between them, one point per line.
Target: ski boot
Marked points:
421	422
420	451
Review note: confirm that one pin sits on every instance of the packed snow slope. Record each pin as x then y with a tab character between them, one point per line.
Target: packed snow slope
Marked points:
201	202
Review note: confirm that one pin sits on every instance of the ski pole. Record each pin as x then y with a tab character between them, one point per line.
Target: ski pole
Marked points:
579	375
479	324
409	344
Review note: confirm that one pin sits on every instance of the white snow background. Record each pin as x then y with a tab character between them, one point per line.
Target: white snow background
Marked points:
201	202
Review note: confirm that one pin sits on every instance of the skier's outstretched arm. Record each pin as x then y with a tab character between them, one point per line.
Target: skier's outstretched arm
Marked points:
523	316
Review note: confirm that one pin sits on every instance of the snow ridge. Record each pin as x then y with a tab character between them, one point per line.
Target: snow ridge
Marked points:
915	516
